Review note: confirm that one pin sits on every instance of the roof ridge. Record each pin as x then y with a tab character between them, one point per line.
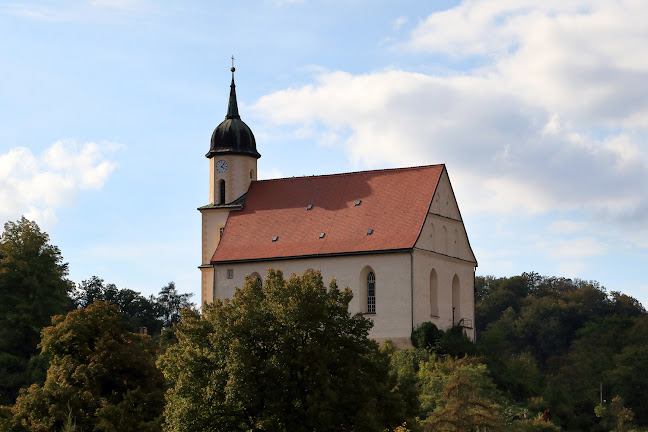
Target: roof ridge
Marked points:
353	172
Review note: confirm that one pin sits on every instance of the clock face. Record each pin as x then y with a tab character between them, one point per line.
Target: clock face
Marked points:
221	166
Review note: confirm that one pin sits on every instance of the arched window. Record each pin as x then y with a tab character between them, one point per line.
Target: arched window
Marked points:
252	174
456	301
371	293
222	192
257	278
434	294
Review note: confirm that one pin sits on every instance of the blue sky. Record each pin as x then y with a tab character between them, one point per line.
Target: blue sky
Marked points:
539	110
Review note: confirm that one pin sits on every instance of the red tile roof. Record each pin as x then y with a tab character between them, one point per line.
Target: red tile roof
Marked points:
394	204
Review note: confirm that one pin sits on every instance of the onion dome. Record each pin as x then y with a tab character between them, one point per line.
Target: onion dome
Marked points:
233	136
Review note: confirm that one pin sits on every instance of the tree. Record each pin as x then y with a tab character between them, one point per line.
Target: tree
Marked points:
458	395
281	356
138	310
154	313
170	303
33	288
101	377
616	416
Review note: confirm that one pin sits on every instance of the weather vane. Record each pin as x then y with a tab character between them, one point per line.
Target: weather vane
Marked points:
233	68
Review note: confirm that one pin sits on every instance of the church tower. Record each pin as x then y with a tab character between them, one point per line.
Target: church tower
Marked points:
232	167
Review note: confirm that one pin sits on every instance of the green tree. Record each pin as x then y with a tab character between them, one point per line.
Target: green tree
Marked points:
615	417
101	377
280	356
458	396
170	302
33	288
138	310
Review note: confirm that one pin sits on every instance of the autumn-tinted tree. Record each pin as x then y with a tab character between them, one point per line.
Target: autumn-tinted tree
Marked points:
101	377
280	356
458	395
33	288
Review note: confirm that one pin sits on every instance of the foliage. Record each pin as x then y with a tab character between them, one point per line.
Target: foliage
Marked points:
452	342
458	395
560	340
153	313
282	355
616	416
170	303
101	377
537	424
33	288
138	310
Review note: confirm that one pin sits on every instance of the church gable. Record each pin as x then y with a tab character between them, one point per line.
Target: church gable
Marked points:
444	202
443	231
358	212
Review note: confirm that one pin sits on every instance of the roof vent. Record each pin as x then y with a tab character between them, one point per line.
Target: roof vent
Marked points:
322	235
369	231
358	203
310	207
275	238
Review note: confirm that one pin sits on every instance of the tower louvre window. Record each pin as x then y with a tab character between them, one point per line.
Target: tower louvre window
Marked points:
222	192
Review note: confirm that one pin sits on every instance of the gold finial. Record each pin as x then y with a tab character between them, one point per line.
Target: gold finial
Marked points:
233	68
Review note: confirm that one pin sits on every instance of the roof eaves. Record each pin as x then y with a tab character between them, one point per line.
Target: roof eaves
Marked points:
323	255
238	203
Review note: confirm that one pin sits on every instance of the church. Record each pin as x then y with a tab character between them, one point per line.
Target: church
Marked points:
394	236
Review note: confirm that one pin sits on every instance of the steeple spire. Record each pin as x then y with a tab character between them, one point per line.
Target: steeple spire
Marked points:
232	107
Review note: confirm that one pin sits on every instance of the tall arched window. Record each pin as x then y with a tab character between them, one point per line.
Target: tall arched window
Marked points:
434	294
222	192
257	278
371	293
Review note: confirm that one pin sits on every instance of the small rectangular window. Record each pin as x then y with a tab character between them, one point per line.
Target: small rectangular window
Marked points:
322	235
230	273
358	203
275	238
369	231
310	207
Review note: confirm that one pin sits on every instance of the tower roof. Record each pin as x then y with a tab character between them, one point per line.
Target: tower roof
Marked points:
233	136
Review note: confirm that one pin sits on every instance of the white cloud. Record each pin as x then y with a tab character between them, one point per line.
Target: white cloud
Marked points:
399	22
37	185
571	249
554	117
80	11
567	227
508	154
580	58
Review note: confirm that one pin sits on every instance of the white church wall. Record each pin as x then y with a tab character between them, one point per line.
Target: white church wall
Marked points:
393	316
445	236
445	269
